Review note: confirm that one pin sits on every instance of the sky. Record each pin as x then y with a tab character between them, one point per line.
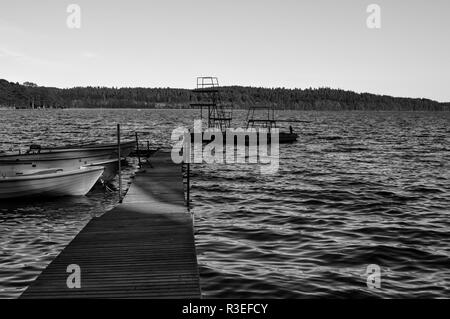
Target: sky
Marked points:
269	43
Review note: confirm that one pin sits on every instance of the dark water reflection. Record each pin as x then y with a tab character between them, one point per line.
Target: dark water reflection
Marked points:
356	189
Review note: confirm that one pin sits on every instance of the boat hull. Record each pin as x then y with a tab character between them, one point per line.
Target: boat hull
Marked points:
13	167
86	154
62	183
68	159
125	149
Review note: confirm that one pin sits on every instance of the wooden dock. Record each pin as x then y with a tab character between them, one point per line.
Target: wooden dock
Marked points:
143	248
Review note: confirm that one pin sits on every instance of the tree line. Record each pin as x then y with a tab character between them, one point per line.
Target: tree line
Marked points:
30	95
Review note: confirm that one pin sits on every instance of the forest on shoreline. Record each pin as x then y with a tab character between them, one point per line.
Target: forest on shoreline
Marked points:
30	95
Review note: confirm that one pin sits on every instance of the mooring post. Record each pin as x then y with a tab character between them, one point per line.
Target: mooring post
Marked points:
120	164
137	149
188	199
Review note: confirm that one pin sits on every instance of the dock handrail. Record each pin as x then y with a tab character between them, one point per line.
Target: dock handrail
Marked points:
269	122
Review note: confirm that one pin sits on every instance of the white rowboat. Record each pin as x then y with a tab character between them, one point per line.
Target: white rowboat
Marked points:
49	182
69	158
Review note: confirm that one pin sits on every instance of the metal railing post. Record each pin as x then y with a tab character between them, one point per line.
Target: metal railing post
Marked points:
188	195
119	163
137	149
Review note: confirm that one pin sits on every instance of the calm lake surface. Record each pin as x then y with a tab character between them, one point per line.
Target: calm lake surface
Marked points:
357	188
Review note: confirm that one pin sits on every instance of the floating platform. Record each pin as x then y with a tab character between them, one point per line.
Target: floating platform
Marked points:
283	138
143	248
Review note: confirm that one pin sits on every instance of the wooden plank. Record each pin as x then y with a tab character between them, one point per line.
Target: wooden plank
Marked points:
143	248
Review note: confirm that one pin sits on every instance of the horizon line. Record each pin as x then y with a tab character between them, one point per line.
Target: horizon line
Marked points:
233	85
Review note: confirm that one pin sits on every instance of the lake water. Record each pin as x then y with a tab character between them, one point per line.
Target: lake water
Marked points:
358	188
